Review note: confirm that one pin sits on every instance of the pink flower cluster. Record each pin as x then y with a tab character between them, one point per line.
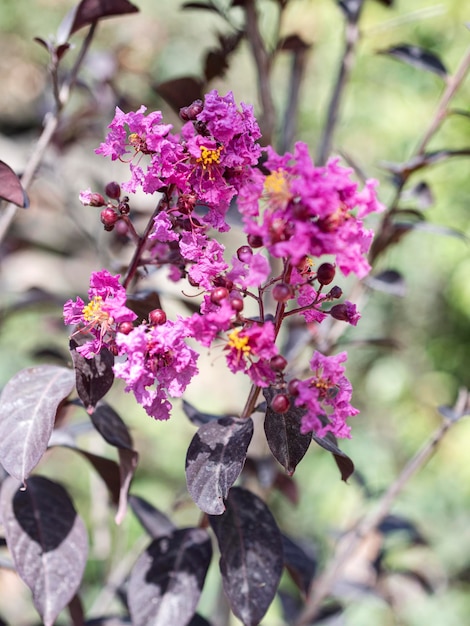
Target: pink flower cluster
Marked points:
291	211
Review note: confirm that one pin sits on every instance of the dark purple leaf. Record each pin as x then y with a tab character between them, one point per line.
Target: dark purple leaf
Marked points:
402	171
439	230
216	63
421	193
352	9
111	426
94	377
197	417
418	57
108	621
283	435
300	562
288	487
251	558
167	580
89	11
198	620
28	407
293	43
200	5
390	281
388	3
180	92
344	463
142	302
75	609
47	541
394	523
215	458
155	523
11	188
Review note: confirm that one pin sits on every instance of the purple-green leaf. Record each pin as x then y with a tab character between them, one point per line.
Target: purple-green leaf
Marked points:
47	540
167	580
251	555
11	188
28	407
283	435
417	57
214	460
94	377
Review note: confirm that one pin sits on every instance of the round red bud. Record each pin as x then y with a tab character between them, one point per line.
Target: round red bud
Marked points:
278	363
157	317
255	241
293	387
109	217
237	304
218	294
326	273
280	403
125	327
282	292
244	254
335	293
113	190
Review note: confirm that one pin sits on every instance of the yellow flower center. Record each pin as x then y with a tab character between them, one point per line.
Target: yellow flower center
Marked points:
239	343
209	156
93	312
276	188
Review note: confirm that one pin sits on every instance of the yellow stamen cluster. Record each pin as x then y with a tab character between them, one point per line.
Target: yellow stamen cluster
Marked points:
239	343
276	187
93	312
209	156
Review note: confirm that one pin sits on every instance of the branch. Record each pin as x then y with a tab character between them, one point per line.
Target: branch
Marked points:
51	124
354	539
352	37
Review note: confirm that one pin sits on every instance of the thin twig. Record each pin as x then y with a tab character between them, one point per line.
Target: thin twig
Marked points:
352	37
289	129
352	542
51	124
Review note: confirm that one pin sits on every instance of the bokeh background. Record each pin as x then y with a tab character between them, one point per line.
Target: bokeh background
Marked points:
52	248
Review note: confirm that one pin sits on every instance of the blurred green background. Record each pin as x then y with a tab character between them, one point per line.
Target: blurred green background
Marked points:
54	246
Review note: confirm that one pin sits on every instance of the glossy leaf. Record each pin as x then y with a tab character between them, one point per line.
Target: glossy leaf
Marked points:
344	463
28	407
197	417
11	188
94	377
154	521
300	562
180	92
167	579
417	57
214	460
283	435
89	11
47	540
251	556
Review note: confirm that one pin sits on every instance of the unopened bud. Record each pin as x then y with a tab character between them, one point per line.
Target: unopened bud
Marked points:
244	254
157	317
192	111
326	273
278	363
218	294
282	292
280	403
125	327
255	241
109	217
113	190
335	293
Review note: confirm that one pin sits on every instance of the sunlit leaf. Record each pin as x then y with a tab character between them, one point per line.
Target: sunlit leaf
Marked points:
214	460
47	540
251	557
283	435
28	407
167	579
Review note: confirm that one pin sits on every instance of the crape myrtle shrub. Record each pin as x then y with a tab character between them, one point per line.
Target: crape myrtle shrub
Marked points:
302	229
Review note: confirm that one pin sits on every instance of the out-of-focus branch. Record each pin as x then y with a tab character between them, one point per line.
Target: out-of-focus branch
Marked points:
347	61
263	67
50	126
354	539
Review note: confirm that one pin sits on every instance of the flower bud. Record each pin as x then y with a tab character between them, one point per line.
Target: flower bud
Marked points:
109	217
282	292
124	208
326	273
125	327
346	312
244	254
280	403
218	294
157	317
113	190
335	293
293	387
96	199
192	111
278	363
237	304
255	241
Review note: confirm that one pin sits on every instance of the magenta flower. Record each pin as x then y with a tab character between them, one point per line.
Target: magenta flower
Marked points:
326	397
103	314
249	350
158	364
